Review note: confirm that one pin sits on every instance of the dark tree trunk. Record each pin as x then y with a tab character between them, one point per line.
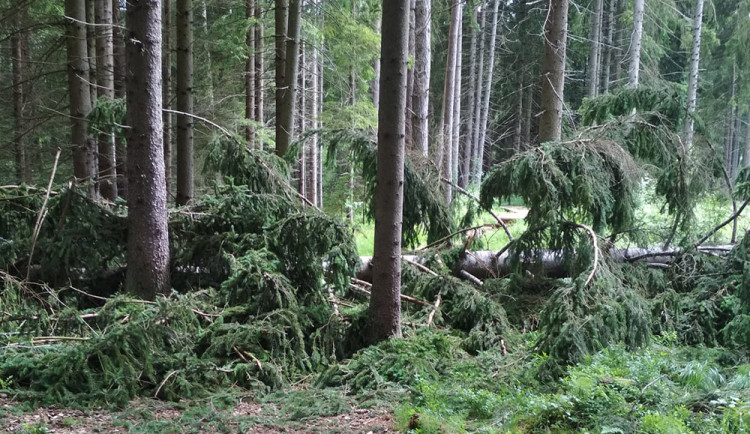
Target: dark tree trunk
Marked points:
421	98
250	74
80	95
185	124
470	99
148	237
118	51
21	93
487	90
553	71
259	35
106	91
410	77
595	52
166	92
286	101
476	165
281	19
385	303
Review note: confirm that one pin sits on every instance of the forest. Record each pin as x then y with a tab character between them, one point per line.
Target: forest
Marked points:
422	216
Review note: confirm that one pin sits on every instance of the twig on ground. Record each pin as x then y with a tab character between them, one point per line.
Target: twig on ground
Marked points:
42	212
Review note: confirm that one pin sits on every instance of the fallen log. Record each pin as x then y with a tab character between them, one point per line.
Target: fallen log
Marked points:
486	264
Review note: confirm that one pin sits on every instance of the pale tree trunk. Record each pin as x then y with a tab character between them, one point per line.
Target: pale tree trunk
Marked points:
688	132
410	77
729	131
376	69
553	71
21	93
250	74
106	91
736	145
456	129
422	69
635	43
746	151
185	98
487	91
286	90
352	103
204	37
445	154
80	95
470	106
385	302
619	38
166	91
91	44
608	51
312	122
476	165
519	117
301	120
595	52
148	236
118	51
320	123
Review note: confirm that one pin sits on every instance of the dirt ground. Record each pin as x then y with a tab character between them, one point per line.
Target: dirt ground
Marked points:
158	417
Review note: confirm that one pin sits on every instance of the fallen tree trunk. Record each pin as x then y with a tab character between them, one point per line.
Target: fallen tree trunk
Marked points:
485	264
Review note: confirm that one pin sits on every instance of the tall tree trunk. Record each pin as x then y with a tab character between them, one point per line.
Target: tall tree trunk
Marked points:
687	138
449	93
518	130
410	76
422	59
106	91
528	115
730	124
91	44
80	95
619	38
595	52
487	91
166	92
320	70
204	38
456	129
608	52
553	71
250	74
148	237
470	106
118	51
259	36
746	150
185	124
301	121
476	164
376	70
385	303
287	34
735	167
635	43
312	120
21	93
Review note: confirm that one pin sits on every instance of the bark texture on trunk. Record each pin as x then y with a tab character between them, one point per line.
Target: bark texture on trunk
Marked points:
487	90
148	238
80	96
166	91
250	74
259	65
470	99
449	97
185	104
746	151
21	93
456	129
553	71
476	164
385	303
118	51
595	52
692	96
635	43
422	69
105	78
281	19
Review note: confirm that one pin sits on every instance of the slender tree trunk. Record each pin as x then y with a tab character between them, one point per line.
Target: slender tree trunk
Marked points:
410	77
118	51
518	130
608	48
106	91
259	65
376	70
746	151
250	93
528	116
148	237
469	121
166	92
313	112
206	47
281	19
286	88
687	138
320	123
91	44
80	95
734	169
553	71
385	303
635	43
301	121
456	139
730	124
619	37
476	164
449	93
21	93
422	69
595	53
487	91
185	124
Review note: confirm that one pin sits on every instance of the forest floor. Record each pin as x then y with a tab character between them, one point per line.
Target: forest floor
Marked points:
151	416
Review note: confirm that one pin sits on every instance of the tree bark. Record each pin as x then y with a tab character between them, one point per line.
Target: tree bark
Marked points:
422	70
456	129
689	130
118	51
449	91
91	44
281	18
410	77
166	92
376	70
475	163
250	74
553	71
21	93
746	151
608	45
487	92
595	52
635	43
206	47
185	124
385	303
80	95
470	106
106	91
148	238
259	96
